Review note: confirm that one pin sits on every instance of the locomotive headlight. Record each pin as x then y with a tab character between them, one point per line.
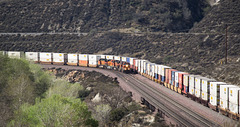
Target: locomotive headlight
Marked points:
126	65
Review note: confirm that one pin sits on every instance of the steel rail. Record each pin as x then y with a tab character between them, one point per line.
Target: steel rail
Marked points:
199	118
177	117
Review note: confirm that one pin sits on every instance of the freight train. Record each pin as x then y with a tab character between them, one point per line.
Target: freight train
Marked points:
219	96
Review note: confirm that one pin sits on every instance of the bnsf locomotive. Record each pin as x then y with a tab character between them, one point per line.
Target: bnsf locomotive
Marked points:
219	96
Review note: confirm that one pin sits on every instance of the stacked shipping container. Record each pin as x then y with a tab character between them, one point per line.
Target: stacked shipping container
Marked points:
93	60
45	58
234	100
83	60
58	58
224	96
205	88
180	81
13	54
215	93
32	56
72	59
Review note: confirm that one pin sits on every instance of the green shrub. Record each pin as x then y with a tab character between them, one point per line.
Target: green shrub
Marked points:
54	111
117	114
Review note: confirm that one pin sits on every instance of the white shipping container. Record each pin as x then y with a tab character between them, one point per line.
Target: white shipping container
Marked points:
176	78
198	93
32	56
148	68
58	57
224	89
223	103
206	84
205	96
131	61
152	70
215	88
144	66
156	68
83	56
198	82
233	107
192	81
185	80
191	90
214	100
124	59
159	69
14	54
233	95
45	57
103	56
117	58
139	66
109	57
93	63
72	58
94	57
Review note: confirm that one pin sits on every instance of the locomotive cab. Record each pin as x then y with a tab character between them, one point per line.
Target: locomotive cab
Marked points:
102	63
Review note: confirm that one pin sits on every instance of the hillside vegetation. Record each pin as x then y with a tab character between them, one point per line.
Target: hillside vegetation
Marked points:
31	97
86	15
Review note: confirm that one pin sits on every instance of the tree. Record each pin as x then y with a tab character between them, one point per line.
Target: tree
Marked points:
102	113
54	111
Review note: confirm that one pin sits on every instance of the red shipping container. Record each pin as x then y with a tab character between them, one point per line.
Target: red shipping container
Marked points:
134	62
159	77
170	74
180	79
166	75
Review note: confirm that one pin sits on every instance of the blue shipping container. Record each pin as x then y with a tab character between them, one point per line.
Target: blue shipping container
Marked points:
156	76
128	59
163	78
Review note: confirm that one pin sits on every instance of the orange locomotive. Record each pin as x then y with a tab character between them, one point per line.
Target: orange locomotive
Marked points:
114	64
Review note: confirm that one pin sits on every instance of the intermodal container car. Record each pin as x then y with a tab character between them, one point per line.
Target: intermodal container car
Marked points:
224	95
206	84
215	88
93	60
234	99
58	58
15	54
32	56
164	73
72	59
103	56
109	57
181	79
45	57
83	60
186	80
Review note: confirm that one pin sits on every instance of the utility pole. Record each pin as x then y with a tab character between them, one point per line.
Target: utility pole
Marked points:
226	48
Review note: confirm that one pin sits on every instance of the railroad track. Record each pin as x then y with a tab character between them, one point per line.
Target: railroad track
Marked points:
184	117
152	96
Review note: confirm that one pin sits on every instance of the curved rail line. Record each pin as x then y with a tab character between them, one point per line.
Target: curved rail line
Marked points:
165	103
142	87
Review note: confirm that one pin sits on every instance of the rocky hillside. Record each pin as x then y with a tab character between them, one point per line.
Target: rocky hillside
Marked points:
109	104
88	15
200	51
227	12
